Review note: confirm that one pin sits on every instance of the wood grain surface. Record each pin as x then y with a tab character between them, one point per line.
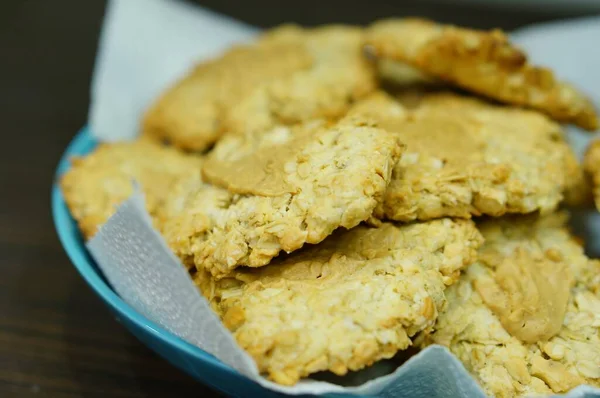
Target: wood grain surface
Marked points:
56	337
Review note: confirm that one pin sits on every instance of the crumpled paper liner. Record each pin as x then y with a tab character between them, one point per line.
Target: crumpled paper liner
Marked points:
145	45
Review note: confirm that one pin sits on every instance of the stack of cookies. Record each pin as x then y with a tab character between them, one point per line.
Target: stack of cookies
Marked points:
340	194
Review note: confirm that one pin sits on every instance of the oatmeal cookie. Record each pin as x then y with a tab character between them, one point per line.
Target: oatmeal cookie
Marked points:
484	62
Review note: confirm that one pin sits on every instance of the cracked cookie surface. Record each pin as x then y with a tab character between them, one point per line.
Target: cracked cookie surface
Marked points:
523	319
355	298
484	62
332	176
467	157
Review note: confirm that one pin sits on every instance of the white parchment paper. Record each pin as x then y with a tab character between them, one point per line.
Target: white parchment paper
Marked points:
145	46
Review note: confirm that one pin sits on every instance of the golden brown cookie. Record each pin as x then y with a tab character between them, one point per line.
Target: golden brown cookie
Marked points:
592	167
468	157
483	62
97	183
302	189
339	75
190	114
289	75
524	318
355	298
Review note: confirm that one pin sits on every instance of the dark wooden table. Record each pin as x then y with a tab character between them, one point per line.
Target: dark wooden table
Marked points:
56	337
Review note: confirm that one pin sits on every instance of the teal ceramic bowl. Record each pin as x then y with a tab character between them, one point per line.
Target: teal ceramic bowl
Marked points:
191	359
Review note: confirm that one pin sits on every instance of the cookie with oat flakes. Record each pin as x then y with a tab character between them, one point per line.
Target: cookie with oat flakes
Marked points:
355	298
296	189
97	183
483	62
467	157
524	319
339	75
289	75
190	114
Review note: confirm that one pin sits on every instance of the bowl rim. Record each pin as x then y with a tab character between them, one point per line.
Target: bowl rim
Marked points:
73	244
